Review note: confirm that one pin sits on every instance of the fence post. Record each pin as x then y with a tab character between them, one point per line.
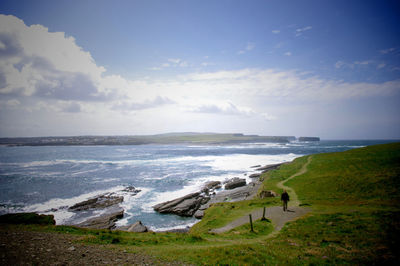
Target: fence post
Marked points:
251	223
263	217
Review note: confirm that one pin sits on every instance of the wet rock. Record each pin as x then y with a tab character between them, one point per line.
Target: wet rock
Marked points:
255	175
184	206
269	167
235	182
104	221
99	202
213	185
131	189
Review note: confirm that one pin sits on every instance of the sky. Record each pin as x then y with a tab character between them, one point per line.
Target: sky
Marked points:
294	68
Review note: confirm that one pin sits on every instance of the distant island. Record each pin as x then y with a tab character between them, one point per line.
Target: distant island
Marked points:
168	138
309	139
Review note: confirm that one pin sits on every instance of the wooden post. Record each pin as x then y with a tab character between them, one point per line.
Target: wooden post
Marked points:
263	217
251	223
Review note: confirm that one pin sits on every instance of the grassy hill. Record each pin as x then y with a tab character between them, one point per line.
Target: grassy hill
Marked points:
355	218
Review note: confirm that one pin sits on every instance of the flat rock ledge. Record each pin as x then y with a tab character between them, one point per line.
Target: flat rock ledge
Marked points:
99	202
269	167
108	203
137	227
195	204
184	206
235	182
104	221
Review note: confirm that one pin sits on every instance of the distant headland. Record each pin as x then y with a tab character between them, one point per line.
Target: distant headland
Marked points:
168	138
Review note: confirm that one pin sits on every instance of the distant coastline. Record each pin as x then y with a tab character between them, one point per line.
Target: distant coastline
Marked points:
169	138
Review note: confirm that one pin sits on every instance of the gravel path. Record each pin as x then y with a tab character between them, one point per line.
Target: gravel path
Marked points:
20	247
276	214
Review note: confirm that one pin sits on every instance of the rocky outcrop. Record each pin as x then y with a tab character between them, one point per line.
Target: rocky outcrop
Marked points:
104	221
137	227
195	204
184	206
199	214
268	194
99	202
269	167
107	203
131	189
235	182
255	175
212	185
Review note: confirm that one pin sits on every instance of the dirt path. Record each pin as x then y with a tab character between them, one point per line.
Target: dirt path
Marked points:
21	247
278	217
294	201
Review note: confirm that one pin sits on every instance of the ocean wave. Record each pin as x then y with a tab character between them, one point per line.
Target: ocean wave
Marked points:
183	225
58	206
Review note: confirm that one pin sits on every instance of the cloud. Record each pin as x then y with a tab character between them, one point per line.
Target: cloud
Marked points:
250	46
288	53
171	62
381	65
226	108
147	104
388	51
276	31
205	64
353	65
72	108
47	76
36	62
291	85
300	31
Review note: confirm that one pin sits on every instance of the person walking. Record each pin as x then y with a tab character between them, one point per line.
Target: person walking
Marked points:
285	199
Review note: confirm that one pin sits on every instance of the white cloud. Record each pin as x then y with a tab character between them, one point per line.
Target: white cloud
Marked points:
205	64
388	51
172	62
276	31
13	102
381	65
72	107
36	62
147	104
250	46
63	84
365	62
358	64
288	53
225	108
300	31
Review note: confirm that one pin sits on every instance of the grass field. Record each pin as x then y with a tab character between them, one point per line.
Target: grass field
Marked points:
355	218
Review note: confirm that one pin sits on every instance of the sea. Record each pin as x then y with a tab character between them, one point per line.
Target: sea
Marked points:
49	179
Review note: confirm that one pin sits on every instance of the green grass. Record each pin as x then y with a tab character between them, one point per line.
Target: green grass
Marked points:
221	214
354	196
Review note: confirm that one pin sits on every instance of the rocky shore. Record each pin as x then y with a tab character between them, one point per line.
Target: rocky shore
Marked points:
108	204
191	205
236	189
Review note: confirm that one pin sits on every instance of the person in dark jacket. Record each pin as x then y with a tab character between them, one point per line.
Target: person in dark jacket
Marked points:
285	199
